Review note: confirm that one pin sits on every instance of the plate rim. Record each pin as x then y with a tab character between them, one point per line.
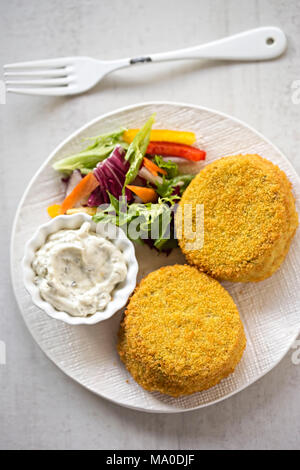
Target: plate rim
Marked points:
40	169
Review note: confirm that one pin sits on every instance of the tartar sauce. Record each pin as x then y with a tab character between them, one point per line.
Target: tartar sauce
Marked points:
77	270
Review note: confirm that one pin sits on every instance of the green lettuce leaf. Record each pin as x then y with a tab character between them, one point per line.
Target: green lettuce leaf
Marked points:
170	167
100	148
167	187
145	216
137	150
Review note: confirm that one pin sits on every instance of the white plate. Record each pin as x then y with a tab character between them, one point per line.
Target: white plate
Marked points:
270	309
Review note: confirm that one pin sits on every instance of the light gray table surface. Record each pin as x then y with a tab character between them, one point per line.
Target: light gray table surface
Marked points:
39	406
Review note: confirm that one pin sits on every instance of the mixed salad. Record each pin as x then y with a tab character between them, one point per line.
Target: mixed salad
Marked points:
131	175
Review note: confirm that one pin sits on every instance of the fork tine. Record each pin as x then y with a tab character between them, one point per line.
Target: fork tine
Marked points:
61	62
40	73
53	91
48	82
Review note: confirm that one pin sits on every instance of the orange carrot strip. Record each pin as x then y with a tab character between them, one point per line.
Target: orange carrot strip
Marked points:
152	167
146	194
83	189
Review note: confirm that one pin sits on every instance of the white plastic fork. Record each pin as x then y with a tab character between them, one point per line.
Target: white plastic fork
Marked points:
72	75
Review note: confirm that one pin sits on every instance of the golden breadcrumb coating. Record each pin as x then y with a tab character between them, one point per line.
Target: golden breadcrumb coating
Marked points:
249	218
181	332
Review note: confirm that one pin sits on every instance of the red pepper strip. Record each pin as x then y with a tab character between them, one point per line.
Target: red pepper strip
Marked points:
82	190
176	150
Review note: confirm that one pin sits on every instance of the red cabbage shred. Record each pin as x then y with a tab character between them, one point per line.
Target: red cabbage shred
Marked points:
111	175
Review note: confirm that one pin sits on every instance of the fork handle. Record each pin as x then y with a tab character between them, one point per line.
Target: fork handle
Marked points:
255	44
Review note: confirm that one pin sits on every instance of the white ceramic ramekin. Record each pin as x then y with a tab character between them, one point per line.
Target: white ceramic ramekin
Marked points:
116	235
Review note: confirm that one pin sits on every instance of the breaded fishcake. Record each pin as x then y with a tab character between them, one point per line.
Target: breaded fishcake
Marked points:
181	332
249	218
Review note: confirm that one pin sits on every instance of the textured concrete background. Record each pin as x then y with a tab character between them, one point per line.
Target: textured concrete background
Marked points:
39	406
